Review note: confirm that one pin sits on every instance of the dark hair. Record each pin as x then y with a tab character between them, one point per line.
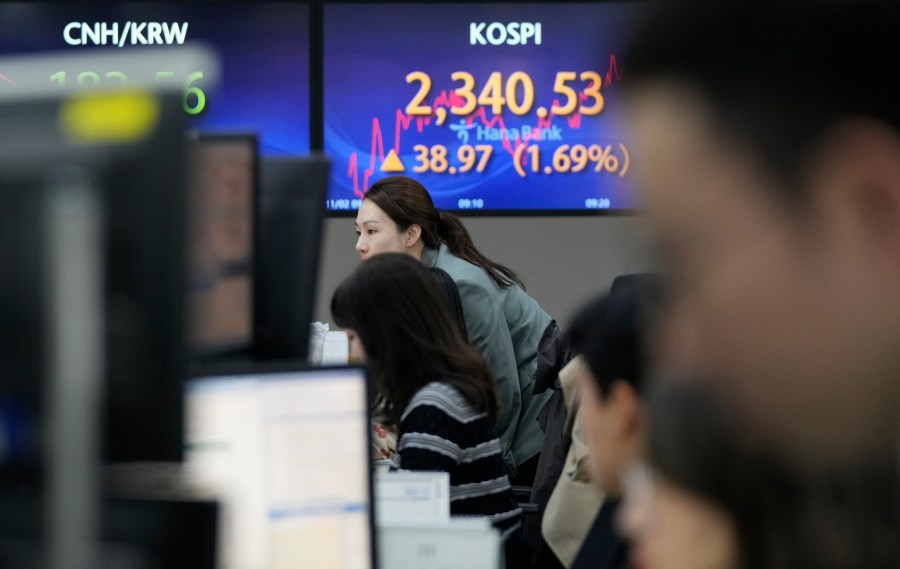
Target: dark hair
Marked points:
610	331
777	75
454	303
846	516
395	306
407	203
692	441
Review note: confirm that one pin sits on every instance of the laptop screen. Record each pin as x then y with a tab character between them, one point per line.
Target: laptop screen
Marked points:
288	454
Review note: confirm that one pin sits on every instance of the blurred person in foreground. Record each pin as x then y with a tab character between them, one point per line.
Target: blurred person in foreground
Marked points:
769	151
704	500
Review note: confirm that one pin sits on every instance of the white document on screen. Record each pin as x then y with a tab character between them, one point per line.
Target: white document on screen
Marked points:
223	454
287	454
470	543
410	496
318	496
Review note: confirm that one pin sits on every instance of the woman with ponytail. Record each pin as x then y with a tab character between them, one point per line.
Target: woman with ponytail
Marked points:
503	322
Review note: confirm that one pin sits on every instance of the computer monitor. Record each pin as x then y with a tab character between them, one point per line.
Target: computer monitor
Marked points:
222	194
288	453
289	237
135	533
134	166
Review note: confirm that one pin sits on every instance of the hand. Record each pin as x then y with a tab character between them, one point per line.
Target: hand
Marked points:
380	430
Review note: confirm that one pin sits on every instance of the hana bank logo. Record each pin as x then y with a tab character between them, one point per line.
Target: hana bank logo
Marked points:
513	33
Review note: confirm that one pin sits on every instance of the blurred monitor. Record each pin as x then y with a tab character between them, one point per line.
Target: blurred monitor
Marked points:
222	193
135	533
289	237
135	167
288	453
263	45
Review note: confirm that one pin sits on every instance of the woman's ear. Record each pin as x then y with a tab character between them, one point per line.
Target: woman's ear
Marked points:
413	234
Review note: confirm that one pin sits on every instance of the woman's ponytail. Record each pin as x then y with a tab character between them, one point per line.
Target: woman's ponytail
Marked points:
459	241
407	202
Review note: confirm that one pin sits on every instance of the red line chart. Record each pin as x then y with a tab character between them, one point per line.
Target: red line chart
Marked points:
449	99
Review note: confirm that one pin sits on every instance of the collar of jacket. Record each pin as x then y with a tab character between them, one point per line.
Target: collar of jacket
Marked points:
429	255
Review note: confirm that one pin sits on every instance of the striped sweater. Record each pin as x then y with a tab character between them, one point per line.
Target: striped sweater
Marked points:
441	430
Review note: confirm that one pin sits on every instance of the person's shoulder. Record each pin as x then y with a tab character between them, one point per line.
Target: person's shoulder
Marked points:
442	398
461	271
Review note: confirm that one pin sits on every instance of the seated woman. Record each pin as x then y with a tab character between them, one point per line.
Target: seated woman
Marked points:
429	382
502	321
383	437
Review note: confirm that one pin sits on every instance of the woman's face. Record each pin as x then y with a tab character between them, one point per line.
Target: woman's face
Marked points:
377	233
670	527
357	350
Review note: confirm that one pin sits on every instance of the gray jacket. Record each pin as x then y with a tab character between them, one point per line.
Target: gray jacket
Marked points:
505	325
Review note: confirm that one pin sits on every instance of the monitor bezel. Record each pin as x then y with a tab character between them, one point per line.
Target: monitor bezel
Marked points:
279	332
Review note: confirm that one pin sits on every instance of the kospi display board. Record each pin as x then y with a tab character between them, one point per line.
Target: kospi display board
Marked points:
263	50
493	107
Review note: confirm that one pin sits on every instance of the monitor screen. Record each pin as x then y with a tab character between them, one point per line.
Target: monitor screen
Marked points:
499	107
288	454
263	48
221	214
135	533
289	238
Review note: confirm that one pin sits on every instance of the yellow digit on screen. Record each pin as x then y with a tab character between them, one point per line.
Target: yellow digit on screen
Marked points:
579	156
593	91
466	155
517	108
439	162
535	152
561	161
465	92
416	106
486	150
491	95
422	157
571	96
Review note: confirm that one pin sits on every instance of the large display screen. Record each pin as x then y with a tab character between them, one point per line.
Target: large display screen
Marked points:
263	48
495	107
